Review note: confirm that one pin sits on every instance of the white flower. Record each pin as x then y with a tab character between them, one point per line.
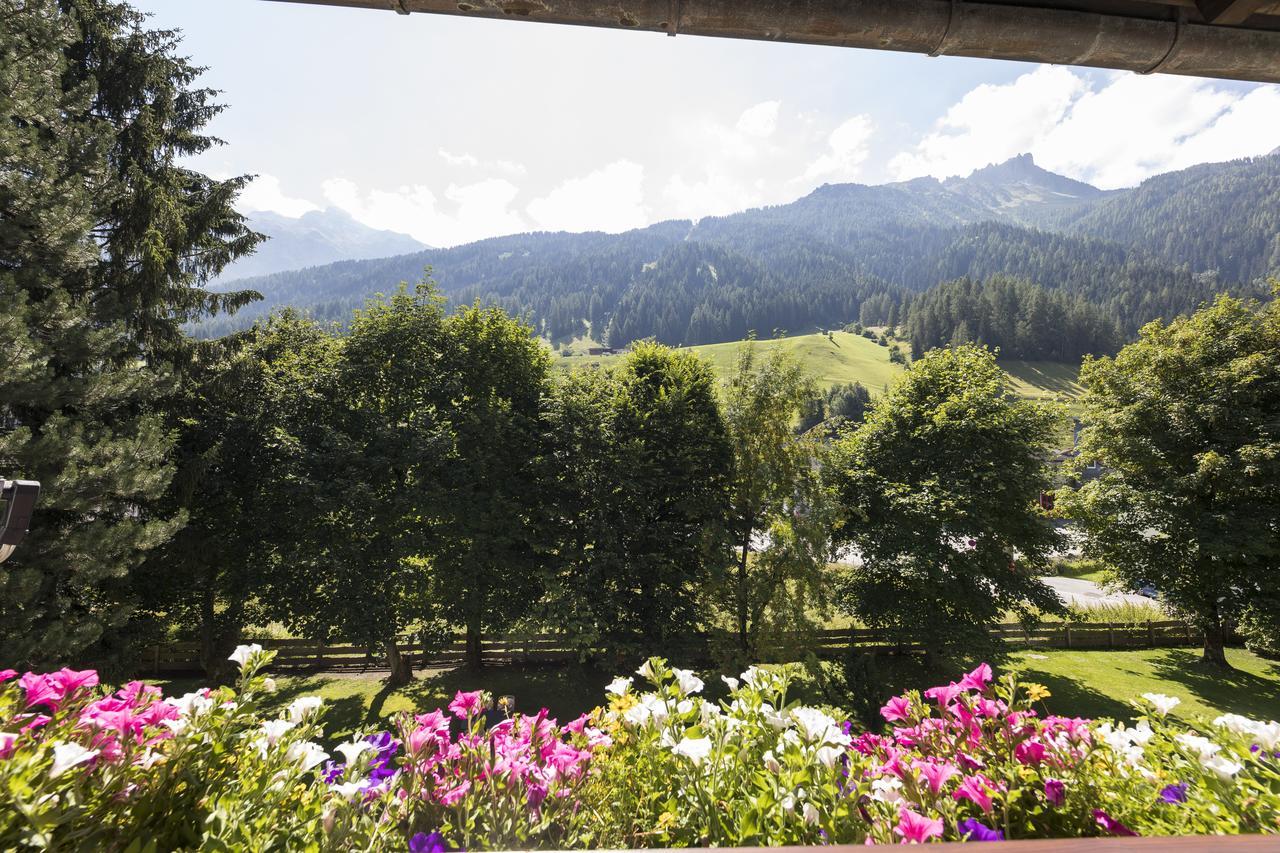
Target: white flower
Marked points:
829	755
1201	745
774	719
650	709
1222	767
709	713
1162	703
1237	724
347	790
619	686
689	683
353	750
176	726
730	681
684	706
752	675
68	755
275	729
637	715
771	762
810	814
242	653
304	706
191	704
306	754
646	671
1267	735
148	758
788	803
269	685
818	728
886	789
696	749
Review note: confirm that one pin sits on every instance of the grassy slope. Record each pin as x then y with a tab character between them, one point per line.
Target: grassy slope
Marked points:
1082	683
853	358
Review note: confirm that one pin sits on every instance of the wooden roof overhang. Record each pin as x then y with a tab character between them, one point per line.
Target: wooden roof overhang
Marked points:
1232	39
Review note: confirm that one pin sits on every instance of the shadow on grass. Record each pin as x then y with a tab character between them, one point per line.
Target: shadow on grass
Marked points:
1059	381
1234	690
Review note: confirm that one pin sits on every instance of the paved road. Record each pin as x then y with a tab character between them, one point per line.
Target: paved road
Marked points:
1077	591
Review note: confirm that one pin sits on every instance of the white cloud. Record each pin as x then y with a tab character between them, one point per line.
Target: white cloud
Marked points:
509	167
761	120
608	199
1129	129
265	193
848	148
471	211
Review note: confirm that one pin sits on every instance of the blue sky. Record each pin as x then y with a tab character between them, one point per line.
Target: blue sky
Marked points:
452	129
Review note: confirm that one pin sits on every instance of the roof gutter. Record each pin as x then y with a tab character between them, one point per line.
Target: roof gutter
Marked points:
934	27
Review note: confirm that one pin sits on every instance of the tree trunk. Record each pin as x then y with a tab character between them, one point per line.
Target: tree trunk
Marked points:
743	643
401	672
474	653
1215	641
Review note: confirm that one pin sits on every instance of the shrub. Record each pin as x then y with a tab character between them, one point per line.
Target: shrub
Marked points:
660	767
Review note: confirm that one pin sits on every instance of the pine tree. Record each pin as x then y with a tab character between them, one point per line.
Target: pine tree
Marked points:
101	238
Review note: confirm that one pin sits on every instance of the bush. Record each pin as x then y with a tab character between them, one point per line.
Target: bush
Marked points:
663	767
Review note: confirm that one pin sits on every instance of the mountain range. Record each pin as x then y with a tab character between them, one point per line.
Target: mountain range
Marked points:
846	252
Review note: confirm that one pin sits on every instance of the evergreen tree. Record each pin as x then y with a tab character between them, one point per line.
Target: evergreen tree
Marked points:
101	238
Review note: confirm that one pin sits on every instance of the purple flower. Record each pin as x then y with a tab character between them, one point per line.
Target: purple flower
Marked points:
1174	793
381	767
428	843
972	829
332	771
1055	792
1112	825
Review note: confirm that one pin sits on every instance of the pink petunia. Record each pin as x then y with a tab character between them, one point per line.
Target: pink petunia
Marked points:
936	775
978	679
897	708
1111	825
6	674
71	680
1029	752
944	696
7	741
976	789
42	690
466	705
916	828
451	796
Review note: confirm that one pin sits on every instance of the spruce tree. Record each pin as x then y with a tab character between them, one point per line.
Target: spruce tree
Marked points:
103	241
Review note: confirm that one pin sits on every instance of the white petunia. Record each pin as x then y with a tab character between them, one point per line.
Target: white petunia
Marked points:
730	681
269	685
1267	735
696	749
1236	724
646	671
68	755
771	762
637	715
811	815
191	704
176	726
353	750
1200	745
1162	703
275	729
772	718
819	728
1222	767
619	686
242	653
347	790
829	755
148	759
887	789
306	754
304	706
788	803
688	682
684	706
752	675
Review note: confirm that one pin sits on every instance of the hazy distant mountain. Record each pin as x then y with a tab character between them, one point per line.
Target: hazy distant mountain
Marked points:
847	252
313	239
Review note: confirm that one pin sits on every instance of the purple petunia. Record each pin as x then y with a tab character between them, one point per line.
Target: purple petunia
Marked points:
381	766
432	842
1174	793
972	829
1055	792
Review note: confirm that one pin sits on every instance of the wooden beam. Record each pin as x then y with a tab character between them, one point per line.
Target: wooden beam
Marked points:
1228	12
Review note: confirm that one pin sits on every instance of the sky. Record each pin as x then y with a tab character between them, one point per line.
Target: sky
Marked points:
452	129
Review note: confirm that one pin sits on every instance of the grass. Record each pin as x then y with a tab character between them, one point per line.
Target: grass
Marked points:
1085	570
846	357
1082	683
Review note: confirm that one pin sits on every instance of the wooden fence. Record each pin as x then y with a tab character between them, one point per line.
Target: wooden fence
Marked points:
178	658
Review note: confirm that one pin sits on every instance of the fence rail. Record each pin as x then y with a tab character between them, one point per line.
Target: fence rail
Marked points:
178	658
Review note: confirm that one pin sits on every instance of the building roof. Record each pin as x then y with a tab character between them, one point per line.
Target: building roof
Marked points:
1234	39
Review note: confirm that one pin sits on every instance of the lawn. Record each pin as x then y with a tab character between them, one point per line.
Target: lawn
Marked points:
1082	683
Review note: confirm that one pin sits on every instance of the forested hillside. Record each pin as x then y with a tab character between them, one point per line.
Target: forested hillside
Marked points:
849	252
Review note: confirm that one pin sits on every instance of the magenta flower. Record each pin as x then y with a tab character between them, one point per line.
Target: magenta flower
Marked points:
1055	792
972	829
1029	752
936	775
72	681
42	690
916	828
944	695
977	790
1111	825
6	674
897	708
467	705
978	679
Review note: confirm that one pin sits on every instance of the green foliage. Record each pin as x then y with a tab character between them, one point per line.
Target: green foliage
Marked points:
1186	422
780	514
843	404
939	486
641	461
1020	319
103	240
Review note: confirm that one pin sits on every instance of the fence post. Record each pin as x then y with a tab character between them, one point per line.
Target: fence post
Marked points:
1111	635
1186	630
1066	634
1151	635
155	659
